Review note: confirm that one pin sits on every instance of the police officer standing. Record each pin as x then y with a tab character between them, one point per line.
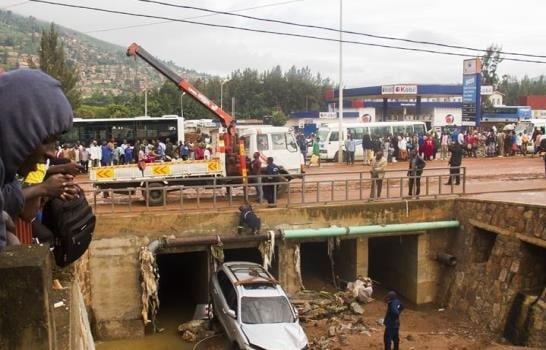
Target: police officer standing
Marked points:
392	320
272	171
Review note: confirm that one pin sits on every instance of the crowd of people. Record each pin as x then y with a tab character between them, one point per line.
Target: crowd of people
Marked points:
419	148
107	153
435	145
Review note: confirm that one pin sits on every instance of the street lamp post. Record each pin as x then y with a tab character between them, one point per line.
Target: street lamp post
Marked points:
222	93
182	104
340	108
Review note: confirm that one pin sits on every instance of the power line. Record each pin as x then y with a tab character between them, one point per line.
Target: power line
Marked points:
15	4
227	13
194	17
272	32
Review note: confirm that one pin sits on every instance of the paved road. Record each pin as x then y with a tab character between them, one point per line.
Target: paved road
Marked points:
351	183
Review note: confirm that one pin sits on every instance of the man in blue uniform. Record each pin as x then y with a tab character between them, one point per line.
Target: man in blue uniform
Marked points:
392	320
272	171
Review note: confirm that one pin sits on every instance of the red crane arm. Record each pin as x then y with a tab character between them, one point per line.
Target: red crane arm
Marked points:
225	118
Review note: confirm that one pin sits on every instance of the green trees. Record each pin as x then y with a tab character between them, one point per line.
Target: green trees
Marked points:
279	118
53	62
490	63
256	94
513	89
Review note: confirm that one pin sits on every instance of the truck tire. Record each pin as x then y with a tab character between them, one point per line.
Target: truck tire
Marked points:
154	197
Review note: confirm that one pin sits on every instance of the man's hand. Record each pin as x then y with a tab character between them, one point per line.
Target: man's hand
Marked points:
71	193
59	184
68	168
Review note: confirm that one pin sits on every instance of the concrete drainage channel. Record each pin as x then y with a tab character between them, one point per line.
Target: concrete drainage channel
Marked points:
486	252
327	262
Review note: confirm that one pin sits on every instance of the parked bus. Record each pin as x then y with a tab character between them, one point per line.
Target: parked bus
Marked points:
506	114
130	129
329	135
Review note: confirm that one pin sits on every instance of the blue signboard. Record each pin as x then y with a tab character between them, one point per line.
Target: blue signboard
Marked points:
469	88
471	99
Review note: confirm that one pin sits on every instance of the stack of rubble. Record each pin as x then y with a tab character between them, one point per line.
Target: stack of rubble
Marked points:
195	330
339	312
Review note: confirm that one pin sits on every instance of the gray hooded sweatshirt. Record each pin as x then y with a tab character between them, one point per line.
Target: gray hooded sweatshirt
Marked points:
32	108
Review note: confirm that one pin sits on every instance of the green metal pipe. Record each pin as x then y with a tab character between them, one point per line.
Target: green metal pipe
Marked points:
370	229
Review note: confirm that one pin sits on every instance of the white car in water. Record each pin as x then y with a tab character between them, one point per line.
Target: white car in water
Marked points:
254	310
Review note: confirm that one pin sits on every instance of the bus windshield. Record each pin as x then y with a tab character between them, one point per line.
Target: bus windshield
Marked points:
524	128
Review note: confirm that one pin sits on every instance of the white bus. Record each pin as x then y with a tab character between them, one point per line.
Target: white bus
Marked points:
130	129
329	135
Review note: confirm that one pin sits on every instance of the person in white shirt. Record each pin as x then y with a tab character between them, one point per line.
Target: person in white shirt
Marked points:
403	147
207	153
95	154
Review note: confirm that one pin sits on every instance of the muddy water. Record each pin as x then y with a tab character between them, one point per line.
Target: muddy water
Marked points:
169	318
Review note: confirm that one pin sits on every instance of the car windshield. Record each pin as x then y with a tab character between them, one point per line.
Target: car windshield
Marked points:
266	310
323	134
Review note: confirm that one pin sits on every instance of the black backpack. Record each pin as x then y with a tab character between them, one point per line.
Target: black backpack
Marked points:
72	223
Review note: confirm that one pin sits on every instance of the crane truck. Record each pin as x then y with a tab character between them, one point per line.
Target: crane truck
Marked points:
229	163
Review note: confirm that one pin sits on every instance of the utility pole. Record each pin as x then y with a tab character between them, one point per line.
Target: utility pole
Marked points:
182	104
340	107
233	107
222	93
146	102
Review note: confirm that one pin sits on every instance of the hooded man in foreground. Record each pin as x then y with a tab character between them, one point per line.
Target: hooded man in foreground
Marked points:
33	113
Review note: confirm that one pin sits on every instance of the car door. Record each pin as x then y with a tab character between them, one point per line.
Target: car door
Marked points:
225	297
218	300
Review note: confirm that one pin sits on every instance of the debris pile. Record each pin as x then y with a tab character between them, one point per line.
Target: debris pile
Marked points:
195	330
340	313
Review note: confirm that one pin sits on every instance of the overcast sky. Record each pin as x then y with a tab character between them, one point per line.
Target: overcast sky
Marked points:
517	26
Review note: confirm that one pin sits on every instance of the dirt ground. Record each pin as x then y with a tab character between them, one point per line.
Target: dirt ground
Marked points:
421	328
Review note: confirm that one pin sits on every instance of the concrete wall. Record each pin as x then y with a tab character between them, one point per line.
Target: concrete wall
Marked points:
26	318
115	287
501	249
225	222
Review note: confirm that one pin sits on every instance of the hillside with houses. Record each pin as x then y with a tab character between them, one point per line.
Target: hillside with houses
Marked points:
103	67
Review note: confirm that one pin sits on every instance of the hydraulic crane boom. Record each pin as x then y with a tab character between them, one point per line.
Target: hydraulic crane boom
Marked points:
225	118
235	161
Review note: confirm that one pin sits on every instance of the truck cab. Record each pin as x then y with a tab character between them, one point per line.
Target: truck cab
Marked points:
273	141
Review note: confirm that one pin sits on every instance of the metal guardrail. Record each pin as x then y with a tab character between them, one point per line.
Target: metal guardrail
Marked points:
228	192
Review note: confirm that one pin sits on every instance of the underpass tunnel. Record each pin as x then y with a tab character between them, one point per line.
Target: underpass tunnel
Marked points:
251	254
183	283
345	264
316	271
393	263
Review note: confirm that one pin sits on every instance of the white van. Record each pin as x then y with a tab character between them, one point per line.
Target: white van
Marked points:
329	135
273	141
529	126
